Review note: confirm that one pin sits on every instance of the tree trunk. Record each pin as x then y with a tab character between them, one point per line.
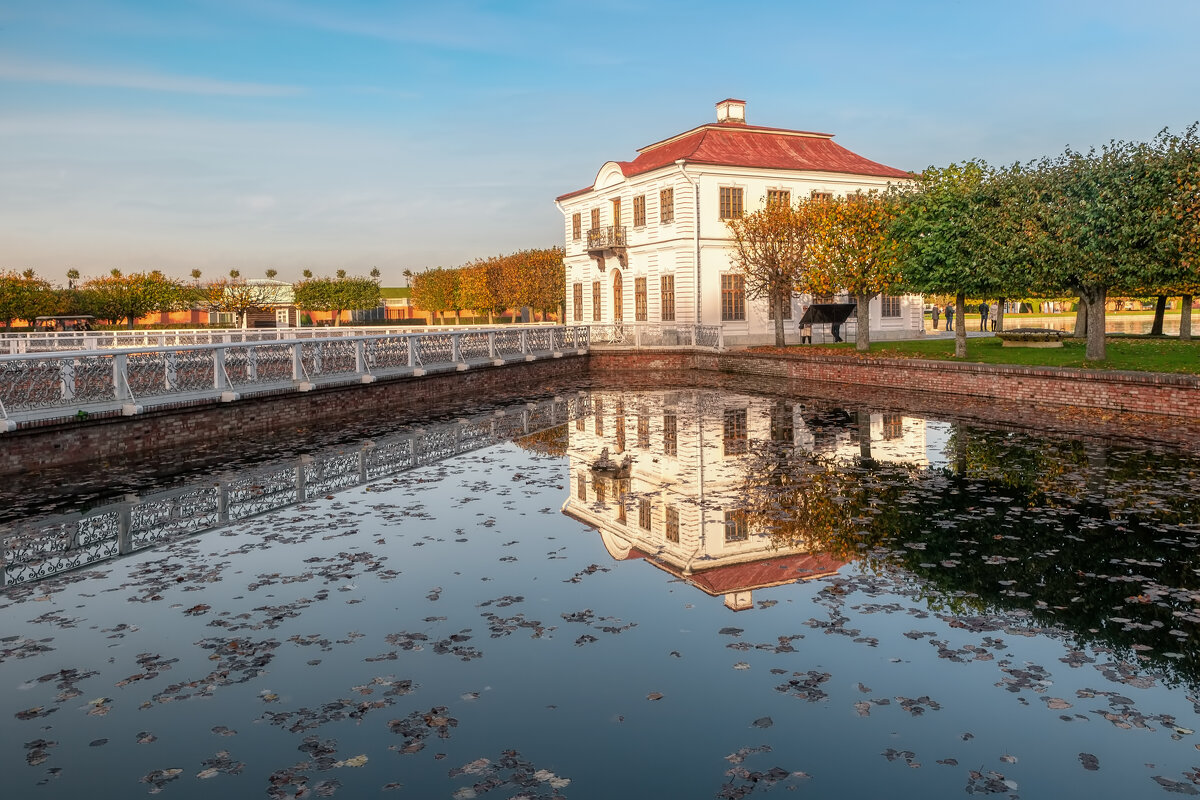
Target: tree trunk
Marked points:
960	325
1081	320
777	301
864	436
1160	311
1000	314
1095	297
862	327
1185	317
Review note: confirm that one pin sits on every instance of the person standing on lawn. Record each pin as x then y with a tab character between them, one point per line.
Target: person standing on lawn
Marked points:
936	314
949	316
983	315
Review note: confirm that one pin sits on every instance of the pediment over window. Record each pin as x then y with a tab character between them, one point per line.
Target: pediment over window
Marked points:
610	175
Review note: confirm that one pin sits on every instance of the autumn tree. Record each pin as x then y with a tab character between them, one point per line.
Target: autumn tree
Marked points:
850	250
772	248
237	296
478	286
538	279
119	297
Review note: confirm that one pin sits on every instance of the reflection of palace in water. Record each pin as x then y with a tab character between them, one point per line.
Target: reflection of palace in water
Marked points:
663	474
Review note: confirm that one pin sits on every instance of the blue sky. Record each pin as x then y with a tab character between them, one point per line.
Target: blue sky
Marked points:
215	134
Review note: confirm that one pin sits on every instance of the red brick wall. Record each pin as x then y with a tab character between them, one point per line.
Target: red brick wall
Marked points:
1137	392
209	427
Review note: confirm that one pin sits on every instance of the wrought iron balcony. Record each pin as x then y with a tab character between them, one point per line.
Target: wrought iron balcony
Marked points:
606	238
603	240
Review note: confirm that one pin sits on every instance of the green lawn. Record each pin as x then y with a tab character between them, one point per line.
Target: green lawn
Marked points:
1127	353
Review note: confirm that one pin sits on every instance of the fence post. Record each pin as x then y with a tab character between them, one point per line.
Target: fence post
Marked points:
297	361
524	342
412	349
455	348
124	532
360	357
222	503
170	373
220	381
492	345
252	364
120	372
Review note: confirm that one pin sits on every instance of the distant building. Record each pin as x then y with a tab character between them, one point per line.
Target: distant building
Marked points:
647	241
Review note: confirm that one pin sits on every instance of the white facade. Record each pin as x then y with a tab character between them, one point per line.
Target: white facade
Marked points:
690	460
641	238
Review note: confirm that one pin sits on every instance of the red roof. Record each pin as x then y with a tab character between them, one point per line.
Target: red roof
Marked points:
753	574
737	145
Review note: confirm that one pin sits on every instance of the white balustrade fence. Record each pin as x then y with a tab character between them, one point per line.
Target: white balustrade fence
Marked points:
115	376
49	385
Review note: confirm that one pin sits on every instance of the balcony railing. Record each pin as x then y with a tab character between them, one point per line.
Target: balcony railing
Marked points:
606	238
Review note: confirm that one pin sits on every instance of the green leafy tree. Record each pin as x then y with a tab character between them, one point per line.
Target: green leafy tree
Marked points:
962	231
436	290
23	296
337	295
119	297
237	296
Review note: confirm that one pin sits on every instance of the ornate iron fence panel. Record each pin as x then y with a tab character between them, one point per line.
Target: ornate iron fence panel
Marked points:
508	343
390	352
436	348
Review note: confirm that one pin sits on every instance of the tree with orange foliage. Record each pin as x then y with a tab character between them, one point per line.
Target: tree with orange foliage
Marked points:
851	251
771	248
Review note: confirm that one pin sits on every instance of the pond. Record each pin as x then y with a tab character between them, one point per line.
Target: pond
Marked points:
686	592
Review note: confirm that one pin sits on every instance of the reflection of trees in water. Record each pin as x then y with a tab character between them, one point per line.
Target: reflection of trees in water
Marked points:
550	442
1100	541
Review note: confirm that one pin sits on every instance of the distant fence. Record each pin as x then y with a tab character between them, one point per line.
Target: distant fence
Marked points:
16	342
641	334
38	548
39	386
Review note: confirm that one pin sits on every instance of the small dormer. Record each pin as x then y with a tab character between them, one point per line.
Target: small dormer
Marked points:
731	112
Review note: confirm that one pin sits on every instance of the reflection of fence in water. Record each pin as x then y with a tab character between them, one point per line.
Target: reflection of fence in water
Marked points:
40	548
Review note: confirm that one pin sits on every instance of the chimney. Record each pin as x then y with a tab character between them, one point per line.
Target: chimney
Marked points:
732	112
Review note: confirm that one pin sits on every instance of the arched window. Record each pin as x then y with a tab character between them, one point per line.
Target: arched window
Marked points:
617	295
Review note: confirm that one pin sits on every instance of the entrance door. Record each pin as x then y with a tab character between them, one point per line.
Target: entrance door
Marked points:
618	306
616	209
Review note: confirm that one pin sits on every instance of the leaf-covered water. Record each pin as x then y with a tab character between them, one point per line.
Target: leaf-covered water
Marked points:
927	609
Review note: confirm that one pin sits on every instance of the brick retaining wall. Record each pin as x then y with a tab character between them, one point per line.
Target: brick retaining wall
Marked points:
1132	392
971	389
207	428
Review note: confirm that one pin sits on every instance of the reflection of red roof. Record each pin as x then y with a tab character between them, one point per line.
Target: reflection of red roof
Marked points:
753	574
737	145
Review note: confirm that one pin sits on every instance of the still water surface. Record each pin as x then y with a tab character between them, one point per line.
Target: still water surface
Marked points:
771	593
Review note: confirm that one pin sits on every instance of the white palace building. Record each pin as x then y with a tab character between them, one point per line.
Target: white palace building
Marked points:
647	241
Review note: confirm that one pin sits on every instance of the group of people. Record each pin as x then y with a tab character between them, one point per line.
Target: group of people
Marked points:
988	312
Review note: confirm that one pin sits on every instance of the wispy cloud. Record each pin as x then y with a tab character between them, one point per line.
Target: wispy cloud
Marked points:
31	71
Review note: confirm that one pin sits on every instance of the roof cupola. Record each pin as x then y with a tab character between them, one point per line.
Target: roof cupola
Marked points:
732	112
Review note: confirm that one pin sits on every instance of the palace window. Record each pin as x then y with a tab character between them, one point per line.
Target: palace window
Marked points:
595	218
620	489
644	513
666	205
639	299
620	433
667	296
731	202
601	491
672	526
779	197
598	416
670	434
578	301
639	211
576	226
889	305
595	301
735	439
581	487
643	428
736	527
733	297
787	308
822	195
782	426
893	426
